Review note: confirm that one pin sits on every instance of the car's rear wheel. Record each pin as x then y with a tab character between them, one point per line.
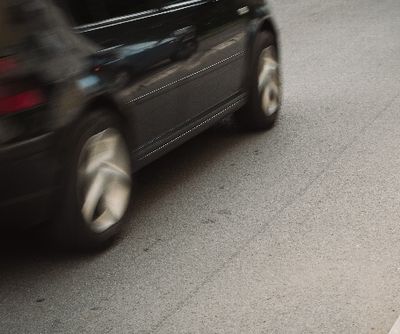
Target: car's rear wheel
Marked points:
265	93
98	187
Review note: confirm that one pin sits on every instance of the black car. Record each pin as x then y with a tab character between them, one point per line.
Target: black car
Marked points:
93	90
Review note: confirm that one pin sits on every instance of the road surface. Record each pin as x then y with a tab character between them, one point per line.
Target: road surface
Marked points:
296	230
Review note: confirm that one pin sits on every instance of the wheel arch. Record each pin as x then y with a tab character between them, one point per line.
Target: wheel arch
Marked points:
268	25
107	103
257	26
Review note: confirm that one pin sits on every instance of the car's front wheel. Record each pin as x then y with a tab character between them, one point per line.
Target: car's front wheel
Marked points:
98	186
264	88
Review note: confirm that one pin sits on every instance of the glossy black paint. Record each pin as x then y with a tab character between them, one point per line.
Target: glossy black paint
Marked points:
167	69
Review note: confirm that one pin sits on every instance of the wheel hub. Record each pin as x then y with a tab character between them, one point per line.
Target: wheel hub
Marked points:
104	179
269	82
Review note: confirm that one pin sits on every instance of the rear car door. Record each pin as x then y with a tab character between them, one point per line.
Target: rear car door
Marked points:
134	46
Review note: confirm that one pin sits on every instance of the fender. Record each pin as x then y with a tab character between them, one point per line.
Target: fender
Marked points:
261	20
91	92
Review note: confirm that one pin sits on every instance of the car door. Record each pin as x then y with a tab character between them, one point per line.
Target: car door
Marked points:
214	72
136	52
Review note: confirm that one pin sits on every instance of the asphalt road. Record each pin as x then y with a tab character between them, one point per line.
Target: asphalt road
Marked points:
291	231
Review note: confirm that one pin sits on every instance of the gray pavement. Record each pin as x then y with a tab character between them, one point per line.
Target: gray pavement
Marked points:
291	231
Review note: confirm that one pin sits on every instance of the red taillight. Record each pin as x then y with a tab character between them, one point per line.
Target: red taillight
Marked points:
17	92
21	101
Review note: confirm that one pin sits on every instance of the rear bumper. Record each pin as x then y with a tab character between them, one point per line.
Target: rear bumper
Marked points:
28	173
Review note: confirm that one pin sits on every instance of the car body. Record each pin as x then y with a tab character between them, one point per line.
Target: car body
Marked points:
167	70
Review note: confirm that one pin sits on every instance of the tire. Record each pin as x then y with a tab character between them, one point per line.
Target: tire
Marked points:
264	91
97	191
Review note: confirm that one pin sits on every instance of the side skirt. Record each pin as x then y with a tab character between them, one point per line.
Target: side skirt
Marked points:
155	149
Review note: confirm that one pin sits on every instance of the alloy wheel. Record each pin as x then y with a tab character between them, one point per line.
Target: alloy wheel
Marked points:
269	82
104	180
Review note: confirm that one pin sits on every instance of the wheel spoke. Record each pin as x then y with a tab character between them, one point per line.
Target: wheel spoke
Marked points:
93	196
114	201
106	218
116	171
102	147
266	98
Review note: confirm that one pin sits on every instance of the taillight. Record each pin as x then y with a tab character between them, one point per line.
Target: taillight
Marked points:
18	92
23	100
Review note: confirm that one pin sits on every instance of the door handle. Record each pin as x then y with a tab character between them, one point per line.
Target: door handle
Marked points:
185	31
243	10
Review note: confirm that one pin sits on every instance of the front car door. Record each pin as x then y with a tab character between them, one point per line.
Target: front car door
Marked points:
213	75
